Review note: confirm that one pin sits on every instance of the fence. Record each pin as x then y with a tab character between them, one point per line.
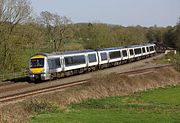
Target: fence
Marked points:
14	75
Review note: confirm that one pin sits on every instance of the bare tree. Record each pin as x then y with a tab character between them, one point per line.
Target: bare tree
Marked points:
58	28
14	11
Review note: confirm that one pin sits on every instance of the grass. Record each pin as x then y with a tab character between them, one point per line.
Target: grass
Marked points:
159	105
170	58
167	59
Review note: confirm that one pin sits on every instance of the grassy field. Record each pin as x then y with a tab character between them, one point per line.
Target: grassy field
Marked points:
160	105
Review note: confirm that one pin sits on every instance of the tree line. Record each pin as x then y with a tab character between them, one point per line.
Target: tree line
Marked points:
22	34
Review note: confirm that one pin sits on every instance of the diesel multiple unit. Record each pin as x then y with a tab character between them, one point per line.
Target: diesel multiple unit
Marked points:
48	66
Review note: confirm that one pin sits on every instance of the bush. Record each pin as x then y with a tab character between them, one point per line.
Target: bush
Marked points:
177	61
38	106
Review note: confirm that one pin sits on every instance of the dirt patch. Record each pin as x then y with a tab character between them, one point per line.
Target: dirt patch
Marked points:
99	86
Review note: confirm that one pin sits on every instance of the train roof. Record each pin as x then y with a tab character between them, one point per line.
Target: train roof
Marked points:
104	49
134	46
141	45
112	48
123	47
86	51
66	53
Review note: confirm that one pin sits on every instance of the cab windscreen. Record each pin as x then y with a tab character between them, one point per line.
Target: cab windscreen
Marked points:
37	63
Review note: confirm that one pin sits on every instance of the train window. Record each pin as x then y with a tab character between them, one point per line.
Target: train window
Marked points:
143	49
114	54
151	48
74	60
54	63
124	52
137	51
103	56
37	63
147	48
131	52
92	57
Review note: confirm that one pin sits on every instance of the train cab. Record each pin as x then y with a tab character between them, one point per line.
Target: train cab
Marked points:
37	68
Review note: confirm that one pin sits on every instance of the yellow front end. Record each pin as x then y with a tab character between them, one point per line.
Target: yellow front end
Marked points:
37	68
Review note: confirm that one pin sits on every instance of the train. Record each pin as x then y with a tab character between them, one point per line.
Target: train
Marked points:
47	66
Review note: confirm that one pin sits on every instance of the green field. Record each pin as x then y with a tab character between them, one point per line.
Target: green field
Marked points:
160	105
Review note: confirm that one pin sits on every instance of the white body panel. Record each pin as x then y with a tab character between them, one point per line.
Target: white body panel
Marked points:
99	57
124	57
67	68
146	53
130	56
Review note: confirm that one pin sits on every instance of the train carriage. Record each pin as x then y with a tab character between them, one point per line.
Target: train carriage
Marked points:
59	64
81	59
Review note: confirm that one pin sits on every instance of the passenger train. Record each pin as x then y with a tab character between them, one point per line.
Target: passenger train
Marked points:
48	66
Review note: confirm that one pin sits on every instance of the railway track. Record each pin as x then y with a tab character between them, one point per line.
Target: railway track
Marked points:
141	70
26	93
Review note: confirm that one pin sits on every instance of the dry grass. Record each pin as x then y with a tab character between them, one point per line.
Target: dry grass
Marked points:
99	86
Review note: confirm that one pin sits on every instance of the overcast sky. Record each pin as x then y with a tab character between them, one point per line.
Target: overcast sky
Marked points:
121	12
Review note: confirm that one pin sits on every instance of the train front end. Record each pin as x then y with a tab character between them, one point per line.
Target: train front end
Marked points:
38	68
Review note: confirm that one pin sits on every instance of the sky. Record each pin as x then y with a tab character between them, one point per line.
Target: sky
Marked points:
120	12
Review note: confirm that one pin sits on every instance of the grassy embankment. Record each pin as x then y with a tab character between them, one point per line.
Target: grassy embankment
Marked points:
170	58
160	105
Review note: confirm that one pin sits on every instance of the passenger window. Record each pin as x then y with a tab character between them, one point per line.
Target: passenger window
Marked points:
103	56
143	50
92	57
74	60
115	54
137	51
131	52
54	63
151	48
147	48
124	52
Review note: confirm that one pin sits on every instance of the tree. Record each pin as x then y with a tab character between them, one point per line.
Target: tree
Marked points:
170	37
58	28
12	13
178	35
